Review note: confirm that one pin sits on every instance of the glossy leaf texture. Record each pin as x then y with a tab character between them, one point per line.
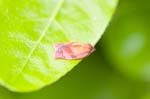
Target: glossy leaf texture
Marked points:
29	28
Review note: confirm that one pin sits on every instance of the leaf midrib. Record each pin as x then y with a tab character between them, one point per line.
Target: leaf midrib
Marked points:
51	18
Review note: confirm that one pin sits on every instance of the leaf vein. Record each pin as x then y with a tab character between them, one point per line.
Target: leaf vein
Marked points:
51	18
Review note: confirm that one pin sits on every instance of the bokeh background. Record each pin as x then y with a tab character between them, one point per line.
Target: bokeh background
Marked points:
120	67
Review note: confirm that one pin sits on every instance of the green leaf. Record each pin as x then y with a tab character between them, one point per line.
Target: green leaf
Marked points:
29	28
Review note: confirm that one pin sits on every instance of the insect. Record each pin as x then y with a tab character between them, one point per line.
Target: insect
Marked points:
73	50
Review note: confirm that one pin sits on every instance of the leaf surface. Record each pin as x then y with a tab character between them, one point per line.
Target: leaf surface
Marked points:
30	28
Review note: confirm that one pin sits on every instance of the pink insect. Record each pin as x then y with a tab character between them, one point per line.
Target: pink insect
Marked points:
73	50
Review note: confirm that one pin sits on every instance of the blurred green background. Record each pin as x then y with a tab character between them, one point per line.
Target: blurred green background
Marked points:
120	67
